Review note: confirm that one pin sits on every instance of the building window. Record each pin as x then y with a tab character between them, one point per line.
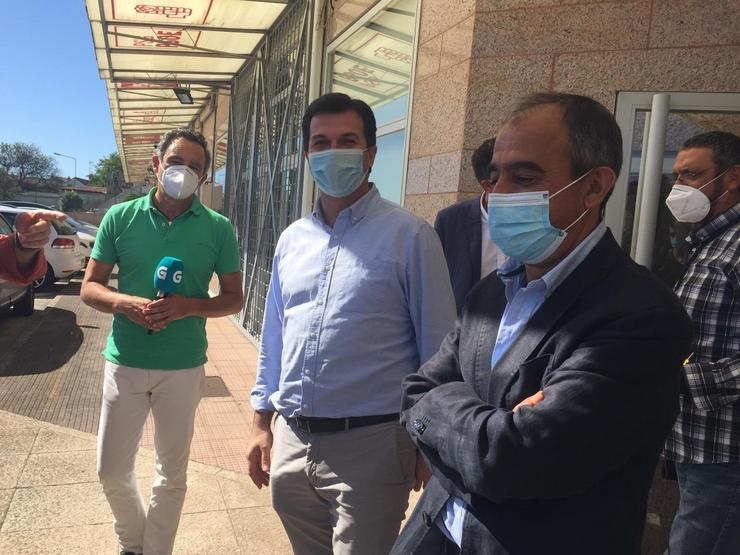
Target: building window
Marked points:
373	61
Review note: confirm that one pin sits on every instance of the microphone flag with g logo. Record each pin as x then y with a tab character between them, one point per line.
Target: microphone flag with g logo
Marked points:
168	275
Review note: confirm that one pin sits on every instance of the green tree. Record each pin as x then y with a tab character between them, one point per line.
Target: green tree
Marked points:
70	201
8	187
25	160
108	172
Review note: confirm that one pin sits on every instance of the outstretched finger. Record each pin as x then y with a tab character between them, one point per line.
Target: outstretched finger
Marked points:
47	215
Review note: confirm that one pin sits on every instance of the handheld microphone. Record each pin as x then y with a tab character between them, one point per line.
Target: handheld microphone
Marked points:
167	277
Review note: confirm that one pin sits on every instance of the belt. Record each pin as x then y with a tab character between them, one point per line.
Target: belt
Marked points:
319	425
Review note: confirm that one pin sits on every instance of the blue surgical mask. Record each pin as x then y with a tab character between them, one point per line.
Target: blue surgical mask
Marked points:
519	224
338	171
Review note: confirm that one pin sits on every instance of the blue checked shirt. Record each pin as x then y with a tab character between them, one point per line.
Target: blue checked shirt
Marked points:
522	301
707	429
351	310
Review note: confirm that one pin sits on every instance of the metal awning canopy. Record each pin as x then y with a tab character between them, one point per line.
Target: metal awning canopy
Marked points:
145	49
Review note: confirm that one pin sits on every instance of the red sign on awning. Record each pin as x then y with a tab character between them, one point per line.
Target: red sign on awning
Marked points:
140	139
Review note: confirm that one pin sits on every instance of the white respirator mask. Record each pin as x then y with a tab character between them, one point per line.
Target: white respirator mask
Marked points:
179	182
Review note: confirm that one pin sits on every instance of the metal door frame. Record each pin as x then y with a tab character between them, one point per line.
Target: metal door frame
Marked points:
628	103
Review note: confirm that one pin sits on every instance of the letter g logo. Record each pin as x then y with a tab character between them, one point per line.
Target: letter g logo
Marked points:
177	276
162	272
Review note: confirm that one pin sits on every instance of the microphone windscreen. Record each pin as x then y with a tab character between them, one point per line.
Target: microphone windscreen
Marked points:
168	274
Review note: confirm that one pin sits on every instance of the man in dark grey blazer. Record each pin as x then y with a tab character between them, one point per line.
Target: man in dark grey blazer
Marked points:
463	231
543	413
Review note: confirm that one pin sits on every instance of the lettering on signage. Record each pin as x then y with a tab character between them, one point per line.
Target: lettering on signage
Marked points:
167	11
130	85
360	74
392	55
164	39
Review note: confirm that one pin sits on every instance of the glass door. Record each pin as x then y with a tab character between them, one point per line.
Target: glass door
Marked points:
654	126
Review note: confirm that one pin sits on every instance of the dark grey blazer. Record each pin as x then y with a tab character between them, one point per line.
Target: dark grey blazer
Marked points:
458	227
571	475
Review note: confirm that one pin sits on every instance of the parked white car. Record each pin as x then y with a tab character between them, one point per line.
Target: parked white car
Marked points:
20	297
64	257
86	232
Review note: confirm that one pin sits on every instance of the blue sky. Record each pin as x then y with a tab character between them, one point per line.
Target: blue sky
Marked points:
50	93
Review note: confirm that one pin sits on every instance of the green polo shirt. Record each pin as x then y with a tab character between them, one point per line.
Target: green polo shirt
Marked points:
135	235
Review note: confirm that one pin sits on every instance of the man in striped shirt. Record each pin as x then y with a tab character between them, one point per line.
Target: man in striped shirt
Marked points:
705	440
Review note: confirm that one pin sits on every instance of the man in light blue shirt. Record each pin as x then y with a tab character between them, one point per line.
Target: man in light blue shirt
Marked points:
359	297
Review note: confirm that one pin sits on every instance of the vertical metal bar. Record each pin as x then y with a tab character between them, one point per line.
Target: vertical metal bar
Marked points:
640	185
653	177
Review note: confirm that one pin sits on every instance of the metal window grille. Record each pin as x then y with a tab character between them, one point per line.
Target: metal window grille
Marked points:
265	164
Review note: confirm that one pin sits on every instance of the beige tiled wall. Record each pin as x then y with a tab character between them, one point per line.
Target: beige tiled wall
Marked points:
499	50
477	57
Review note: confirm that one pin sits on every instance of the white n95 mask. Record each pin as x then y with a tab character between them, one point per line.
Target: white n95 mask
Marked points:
179	182
689	204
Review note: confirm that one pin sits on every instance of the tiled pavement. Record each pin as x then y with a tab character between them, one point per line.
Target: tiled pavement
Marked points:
51	501
53	372
50	392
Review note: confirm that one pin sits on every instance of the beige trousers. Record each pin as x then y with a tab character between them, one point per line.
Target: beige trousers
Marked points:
128	395
345	492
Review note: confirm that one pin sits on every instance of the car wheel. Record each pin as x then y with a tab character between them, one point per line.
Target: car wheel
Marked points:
24	307
45	281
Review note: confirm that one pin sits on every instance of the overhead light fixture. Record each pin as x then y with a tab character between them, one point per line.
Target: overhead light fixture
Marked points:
183	95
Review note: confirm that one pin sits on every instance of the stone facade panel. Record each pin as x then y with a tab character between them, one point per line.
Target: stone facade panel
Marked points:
562	29
438	112
457	43
428	58
602	74
692	23
427	206
496	84
444	174
417	176
437	16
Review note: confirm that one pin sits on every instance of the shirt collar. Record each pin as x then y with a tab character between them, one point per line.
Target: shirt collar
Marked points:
195	208
357	211
512	274
715	226
483	211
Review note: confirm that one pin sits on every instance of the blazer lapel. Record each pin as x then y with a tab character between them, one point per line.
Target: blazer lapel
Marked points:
474	242
488	313
598	262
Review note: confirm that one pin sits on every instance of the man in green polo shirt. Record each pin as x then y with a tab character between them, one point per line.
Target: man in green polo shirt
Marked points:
157	347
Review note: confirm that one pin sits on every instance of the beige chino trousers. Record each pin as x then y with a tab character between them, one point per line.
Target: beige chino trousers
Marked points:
128	395
344	493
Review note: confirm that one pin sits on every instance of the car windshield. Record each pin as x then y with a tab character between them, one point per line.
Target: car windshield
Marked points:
79	224
62	228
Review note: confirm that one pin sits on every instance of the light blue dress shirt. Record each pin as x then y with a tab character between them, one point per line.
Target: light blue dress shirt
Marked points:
351	310
522	301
